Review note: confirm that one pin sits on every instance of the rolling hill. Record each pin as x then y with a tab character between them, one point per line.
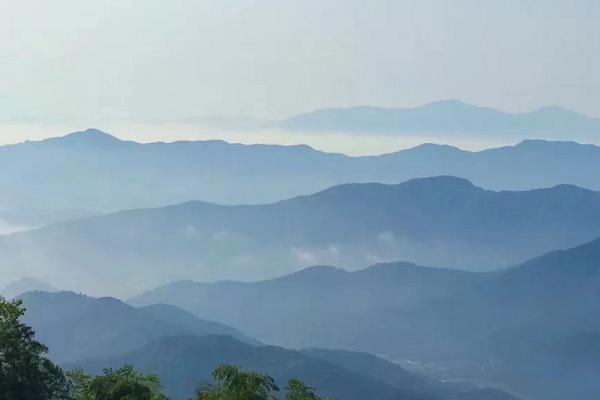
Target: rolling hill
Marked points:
75	326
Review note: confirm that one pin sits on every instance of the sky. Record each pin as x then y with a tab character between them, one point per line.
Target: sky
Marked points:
132	65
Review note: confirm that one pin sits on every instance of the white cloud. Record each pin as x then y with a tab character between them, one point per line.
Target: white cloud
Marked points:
311	256
387	237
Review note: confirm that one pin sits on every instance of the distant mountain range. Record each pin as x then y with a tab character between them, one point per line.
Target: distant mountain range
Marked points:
95	171
442	221
449	117
533	327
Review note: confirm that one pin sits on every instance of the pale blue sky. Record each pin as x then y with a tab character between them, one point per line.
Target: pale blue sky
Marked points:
93	62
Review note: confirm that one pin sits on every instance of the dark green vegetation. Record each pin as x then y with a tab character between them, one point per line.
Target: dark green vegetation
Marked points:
433	221
297	390
25	372
124	383
233	383
524	326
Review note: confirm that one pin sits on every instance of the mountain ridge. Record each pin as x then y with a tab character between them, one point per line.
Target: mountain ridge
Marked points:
75	325
98	136
447	117
440	222
96	171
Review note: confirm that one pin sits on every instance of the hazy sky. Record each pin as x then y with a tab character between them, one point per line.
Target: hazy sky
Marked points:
94	62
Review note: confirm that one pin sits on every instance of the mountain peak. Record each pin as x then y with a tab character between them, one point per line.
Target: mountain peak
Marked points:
536	144
441	181
316	272
432	148
25	285
90	135
555	110
449	103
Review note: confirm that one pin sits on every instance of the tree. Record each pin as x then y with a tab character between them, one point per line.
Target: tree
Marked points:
80	385
234	384
297	390
25	372
122	384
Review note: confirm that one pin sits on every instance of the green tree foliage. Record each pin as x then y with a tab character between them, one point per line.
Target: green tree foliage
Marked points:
297	390
25	372
80	385
234	384
122	384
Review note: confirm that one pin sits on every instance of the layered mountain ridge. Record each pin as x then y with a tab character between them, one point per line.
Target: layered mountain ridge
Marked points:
440	222
92	170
